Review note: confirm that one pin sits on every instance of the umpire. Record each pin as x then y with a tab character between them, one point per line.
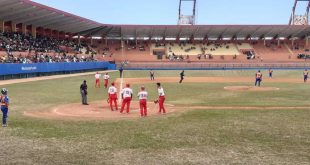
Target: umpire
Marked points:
83	90
121	72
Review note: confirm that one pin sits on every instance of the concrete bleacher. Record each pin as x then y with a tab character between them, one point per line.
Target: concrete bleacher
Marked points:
184	49
155	46
222	49
221	52
244	46
272	52
298	48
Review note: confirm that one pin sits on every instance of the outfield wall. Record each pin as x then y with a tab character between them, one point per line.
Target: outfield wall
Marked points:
37	69
214	66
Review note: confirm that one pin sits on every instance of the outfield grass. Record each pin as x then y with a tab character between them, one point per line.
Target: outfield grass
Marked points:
194	137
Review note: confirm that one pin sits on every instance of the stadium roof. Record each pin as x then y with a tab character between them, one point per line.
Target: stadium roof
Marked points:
32	13
199	31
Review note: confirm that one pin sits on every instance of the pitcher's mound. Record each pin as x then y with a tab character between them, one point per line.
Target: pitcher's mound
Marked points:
96	110
250	88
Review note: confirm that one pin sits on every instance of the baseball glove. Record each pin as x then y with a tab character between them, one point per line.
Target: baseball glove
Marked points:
108	100
156	101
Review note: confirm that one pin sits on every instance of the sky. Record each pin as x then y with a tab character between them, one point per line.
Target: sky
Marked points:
165	12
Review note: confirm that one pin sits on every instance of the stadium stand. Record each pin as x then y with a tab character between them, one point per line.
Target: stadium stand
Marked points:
16	47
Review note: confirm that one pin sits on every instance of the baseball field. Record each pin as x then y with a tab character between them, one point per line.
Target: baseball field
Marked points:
214	117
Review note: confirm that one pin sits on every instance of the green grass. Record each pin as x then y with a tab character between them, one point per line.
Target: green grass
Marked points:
193	137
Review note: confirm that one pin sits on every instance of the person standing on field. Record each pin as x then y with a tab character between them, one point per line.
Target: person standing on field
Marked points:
121	72
4	100
161	98
258	78
270	73
113	96
142	95
181	76
97	77
106	78
83	91
306	73
126	95
152	75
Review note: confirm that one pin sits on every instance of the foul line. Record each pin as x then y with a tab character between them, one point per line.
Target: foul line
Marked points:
120	89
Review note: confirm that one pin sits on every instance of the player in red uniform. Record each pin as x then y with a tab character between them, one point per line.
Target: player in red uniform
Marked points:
126	94
161	98
113	96
143	102
106	78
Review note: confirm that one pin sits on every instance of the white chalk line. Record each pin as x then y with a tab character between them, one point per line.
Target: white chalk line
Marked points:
120	90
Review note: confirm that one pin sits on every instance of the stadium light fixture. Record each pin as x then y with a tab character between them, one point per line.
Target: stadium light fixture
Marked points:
187	19
299	19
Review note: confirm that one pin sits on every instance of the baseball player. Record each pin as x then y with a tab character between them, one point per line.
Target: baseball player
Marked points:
306	73
106	78
113	96
161	98
142	95
258	78
97	77
126	94
121	72
83	91
182	76
270	73
4	100
152	75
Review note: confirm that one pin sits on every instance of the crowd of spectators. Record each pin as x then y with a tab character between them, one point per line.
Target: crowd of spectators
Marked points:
216	46
19	42
40	49
174	57
303	56
141	46
45	58
204	56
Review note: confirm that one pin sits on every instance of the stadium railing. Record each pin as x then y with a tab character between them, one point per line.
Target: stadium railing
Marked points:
215	66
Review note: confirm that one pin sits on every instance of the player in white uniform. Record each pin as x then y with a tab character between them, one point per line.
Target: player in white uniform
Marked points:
106	78
161	98
97	77
112	91
143	101
126	94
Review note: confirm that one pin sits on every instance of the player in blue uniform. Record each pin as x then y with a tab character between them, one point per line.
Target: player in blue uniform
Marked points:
258	78
270	73
4	100
306	73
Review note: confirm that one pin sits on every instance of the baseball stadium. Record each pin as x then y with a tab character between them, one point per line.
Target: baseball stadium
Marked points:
75	90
